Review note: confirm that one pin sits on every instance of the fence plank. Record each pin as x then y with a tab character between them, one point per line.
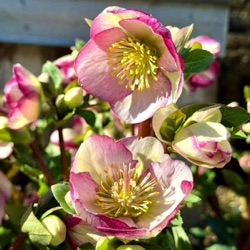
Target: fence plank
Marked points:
58	23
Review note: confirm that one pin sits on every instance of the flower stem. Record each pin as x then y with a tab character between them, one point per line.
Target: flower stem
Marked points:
43	167
18	241
64	159
145	129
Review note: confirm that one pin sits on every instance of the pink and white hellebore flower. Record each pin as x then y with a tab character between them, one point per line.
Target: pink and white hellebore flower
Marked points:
209	76
130	62
22	94
127	189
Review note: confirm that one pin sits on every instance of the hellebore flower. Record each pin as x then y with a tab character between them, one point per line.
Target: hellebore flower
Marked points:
22	94
209	76
127	189
130	62
5	193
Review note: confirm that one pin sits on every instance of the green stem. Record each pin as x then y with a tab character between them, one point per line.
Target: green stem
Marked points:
42	165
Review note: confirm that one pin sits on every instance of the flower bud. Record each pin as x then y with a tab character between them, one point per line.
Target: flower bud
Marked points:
23	97
246	127
56	227
244	162
130	247
74	97
204	143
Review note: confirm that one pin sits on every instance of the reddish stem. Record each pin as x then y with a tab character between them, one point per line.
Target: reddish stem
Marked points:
64	159
145	129
16	245
42	165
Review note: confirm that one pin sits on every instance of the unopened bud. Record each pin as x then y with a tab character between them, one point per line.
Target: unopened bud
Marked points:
56	227
74	97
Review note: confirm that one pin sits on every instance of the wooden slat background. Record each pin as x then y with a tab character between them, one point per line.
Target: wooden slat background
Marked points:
59	22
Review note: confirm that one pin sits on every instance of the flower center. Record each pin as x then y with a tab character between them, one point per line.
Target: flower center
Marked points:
124	193
133	63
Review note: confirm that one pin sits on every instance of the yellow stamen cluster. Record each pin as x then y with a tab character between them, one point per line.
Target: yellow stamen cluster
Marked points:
133	63
124	193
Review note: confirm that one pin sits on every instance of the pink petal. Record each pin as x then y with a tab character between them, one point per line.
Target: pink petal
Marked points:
27	111
110	18
93	71
98	152
176	182
117	228
26	80
12	93
83	193
79	232
141	105
5	186
205	78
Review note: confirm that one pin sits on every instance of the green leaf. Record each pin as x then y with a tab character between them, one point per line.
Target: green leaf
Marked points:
37	232
220	247
87	246
59	191
234	116
198	232
171	124
234	181
181	239
55	76
237	134
192	198
6	236
89	116
147	245
191	109
197	61
164	240
107	243
79	44
21	136
177	221
5	135
15	213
